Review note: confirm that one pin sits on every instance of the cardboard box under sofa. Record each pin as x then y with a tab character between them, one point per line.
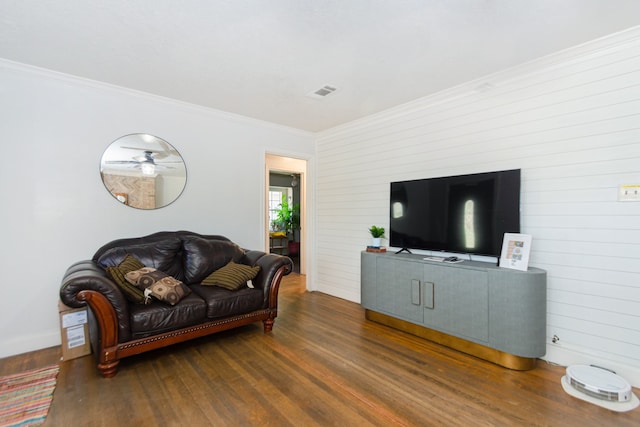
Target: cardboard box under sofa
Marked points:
74	331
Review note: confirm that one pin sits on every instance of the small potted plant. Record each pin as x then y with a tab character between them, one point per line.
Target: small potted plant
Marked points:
377	233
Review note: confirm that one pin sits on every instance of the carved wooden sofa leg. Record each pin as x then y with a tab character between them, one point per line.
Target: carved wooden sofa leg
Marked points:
109	369
268	324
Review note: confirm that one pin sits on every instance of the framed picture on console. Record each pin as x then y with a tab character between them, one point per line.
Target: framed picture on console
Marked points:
515	251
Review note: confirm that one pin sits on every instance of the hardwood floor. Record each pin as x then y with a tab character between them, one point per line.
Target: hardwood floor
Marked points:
322	365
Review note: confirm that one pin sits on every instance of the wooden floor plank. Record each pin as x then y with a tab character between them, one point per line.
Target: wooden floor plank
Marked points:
324	364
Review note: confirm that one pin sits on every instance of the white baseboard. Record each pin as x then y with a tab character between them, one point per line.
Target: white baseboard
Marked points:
25	344
340	293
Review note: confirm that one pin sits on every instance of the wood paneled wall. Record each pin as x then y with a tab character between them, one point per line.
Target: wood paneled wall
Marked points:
571	122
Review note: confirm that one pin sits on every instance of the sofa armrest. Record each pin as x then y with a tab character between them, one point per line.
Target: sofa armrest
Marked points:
272	268
85	283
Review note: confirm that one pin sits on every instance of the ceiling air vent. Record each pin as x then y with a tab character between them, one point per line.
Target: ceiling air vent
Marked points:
322	92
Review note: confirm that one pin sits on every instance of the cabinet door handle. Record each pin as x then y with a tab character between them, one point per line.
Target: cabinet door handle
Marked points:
428	295
415	292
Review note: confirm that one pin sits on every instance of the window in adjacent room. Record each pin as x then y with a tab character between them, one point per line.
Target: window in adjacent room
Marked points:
275	200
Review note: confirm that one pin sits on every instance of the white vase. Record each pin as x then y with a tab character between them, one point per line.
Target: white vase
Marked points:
375	242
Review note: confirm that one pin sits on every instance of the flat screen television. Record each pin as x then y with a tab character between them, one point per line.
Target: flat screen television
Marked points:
461	214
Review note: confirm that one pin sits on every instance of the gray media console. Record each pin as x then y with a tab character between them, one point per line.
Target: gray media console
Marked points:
494	313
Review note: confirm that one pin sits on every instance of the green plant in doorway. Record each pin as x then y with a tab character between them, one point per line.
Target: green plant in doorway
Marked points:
287	217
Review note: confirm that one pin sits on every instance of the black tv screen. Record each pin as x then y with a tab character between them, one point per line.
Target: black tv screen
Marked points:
461	214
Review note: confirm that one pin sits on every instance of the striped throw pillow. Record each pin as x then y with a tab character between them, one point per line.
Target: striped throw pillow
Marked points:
232	276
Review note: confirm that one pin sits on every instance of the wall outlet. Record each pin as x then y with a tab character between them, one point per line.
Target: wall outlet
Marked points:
629	193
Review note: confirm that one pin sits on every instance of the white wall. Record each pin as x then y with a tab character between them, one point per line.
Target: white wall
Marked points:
571	122
53	130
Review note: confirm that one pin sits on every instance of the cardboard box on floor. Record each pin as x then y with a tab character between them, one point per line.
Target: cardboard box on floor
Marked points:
74	331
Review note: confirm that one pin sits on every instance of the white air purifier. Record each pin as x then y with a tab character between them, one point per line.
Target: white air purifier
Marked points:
600	387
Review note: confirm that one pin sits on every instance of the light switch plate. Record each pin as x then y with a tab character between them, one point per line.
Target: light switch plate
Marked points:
629	193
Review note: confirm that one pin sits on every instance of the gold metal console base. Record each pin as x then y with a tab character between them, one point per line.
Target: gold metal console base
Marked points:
498	357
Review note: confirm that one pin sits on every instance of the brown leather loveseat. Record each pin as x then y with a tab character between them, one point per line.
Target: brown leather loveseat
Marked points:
149	292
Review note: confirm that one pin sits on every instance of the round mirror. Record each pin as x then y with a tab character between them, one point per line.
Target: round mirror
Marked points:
143	171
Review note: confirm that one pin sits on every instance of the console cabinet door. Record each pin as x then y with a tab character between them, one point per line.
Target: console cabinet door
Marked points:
460	303
399	288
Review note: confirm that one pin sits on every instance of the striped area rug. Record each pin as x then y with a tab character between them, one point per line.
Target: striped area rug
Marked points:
25	398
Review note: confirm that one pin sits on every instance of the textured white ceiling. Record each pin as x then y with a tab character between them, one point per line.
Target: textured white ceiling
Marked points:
261	58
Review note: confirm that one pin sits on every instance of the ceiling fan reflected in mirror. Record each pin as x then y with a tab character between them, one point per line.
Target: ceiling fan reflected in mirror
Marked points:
146	161
155	154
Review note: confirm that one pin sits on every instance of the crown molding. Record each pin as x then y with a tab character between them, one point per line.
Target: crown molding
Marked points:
597	47
102	86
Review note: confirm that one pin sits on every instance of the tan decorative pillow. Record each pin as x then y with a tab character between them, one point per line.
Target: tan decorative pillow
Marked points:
158	284
117	273
232	276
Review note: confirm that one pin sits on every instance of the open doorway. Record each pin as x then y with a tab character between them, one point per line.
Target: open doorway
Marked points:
286	184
